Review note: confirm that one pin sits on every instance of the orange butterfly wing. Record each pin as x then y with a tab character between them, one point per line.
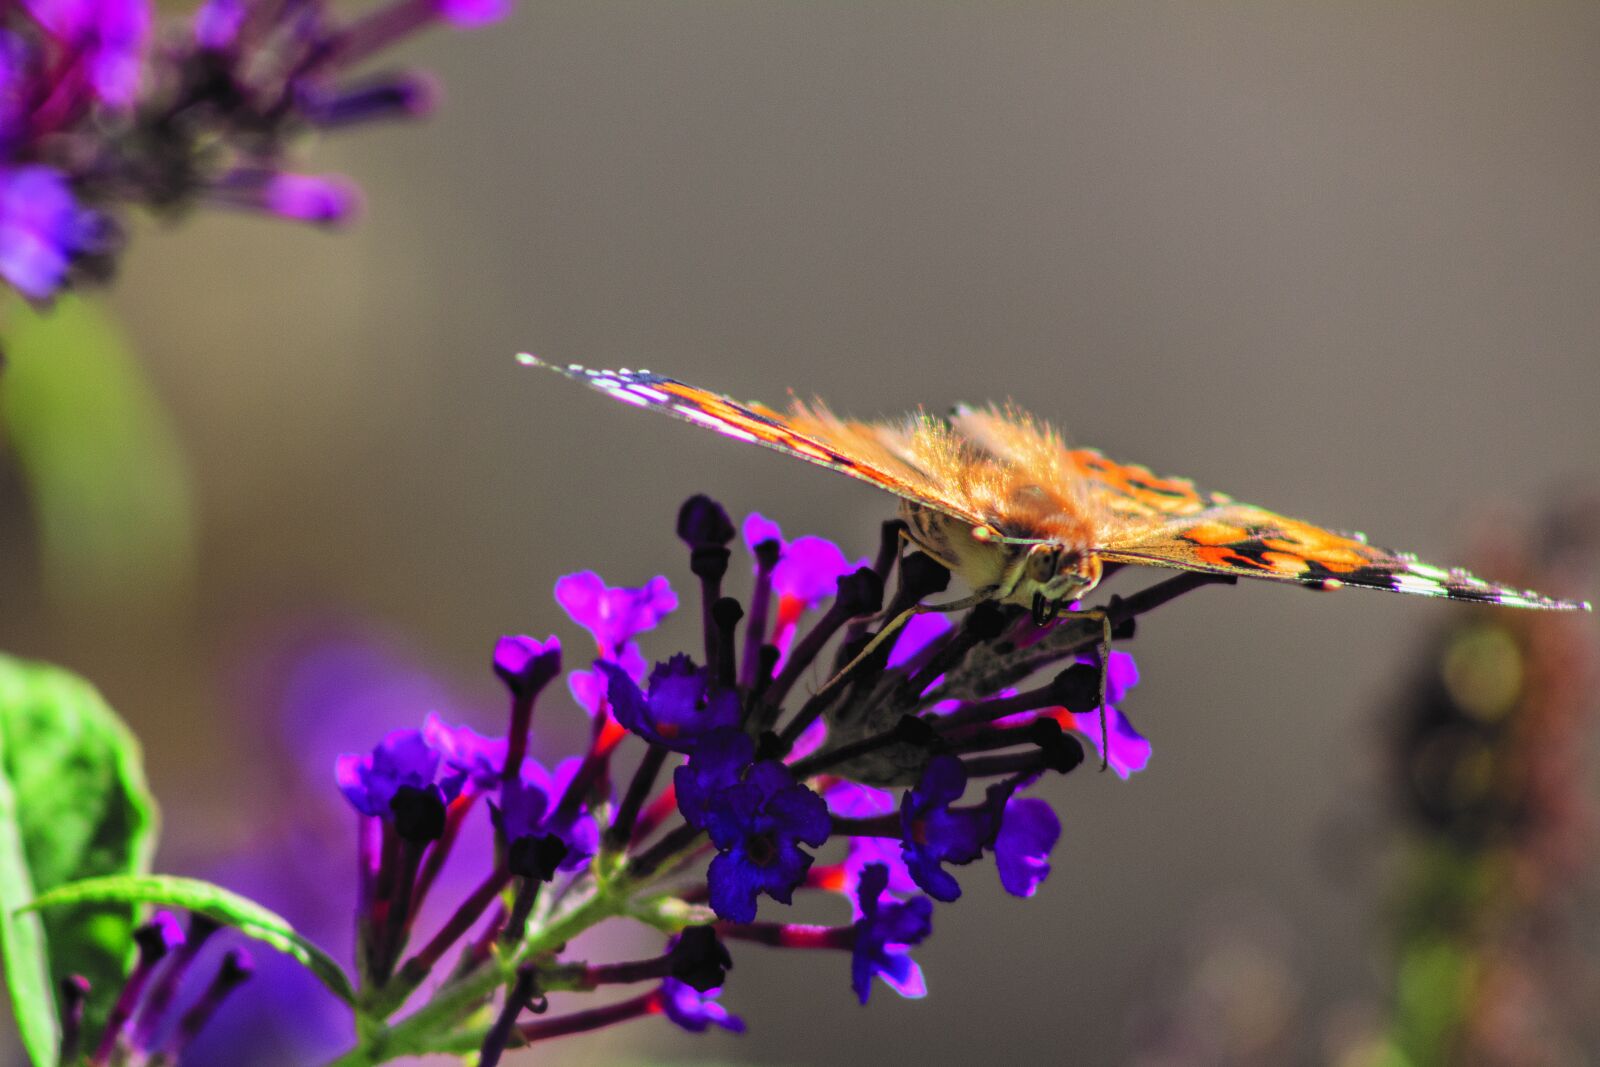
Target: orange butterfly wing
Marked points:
894	458
1001	468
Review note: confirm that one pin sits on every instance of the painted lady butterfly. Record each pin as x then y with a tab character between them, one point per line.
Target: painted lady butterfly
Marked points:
1000	498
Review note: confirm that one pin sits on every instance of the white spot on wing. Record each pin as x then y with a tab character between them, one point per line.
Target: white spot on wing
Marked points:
1410	583
714	423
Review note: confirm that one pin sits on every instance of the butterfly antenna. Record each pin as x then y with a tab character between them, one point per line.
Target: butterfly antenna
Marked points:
979	597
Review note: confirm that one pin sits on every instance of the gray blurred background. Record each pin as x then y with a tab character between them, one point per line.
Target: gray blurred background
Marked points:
1339	259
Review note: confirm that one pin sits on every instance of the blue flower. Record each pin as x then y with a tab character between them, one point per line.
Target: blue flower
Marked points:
1029	829
42	229
758	826
681	708
402	759
528	809
933	834
718	763
696	1012
883	934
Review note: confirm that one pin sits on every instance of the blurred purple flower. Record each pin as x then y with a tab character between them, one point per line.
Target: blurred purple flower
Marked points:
93	117
108	36
479	758
402	759
43	229
696	1012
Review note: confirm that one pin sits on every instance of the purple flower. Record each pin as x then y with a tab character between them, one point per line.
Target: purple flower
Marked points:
588	689
402	759
934	834
526	665
463	749
758	826
808	572
718	763
217	23
1130	751
682	706
917	635
1029	829
851	800
528	809
111	36
42	229
469	13
696	1012
614	615
884	932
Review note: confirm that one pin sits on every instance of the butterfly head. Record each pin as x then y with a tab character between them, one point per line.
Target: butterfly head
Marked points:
1053	574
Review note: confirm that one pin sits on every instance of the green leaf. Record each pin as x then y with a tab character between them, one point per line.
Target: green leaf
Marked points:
225	906
22	947
105	472
73	804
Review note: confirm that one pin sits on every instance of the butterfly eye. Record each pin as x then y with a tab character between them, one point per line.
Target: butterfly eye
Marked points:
1042	562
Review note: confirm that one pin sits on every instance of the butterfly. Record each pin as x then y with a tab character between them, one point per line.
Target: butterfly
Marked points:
1003	501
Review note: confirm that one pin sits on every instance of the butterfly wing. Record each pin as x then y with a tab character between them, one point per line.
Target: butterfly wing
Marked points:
909	460
1251	542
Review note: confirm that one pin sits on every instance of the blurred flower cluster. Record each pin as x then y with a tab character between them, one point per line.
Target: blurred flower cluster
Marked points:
913	762
103	106
1494	770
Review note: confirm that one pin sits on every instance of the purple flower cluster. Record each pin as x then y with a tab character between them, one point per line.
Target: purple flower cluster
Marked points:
907	760
99	109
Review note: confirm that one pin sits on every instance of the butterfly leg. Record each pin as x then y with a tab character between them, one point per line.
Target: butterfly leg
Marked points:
1102	657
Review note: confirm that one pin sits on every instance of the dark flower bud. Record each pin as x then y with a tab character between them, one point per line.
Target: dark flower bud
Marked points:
702	523
987	621
767	553
860	593
237	967
72	995
418	813
922	576
770	746
1062	751
536	857
1077	688
913	730
727	612
700	959
157	937
706	529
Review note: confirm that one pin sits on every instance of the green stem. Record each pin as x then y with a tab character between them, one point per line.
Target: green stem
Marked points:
423	1029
